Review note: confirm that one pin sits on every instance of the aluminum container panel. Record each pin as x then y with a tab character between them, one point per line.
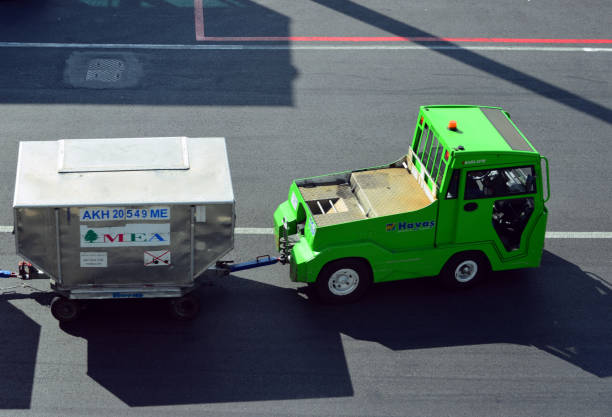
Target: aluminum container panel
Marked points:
39	182
108	228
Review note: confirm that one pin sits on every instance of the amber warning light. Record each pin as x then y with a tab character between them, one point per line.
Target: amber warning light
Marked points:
452	125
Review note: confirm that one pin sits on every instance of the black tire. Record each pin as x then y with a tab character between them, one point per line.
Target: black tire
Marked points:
64	309
464	270
343	281
185	308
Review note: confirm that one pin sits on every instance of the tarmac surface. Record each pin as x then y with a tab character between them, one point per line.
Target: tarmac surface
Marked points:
528	342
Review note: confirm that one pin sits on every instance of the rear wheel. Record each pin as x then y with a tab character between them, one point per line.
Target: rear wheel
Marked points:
64	309
185	308
464	270
343	281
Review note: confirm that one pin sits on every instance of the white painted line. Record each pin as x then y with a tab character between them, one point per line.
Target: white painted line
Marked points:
254	231
290	46
549	235
270	231
578	235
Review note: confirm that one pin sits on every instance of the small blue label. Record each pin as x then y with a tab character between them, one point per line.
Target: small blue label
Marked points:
127	295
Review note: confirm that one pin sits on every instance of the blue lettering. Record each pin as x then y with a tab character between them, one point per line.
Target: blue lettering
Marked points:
410	225
104	214
401	225
164	213
432	223
418	224
155	213
86	215
156	236
95	214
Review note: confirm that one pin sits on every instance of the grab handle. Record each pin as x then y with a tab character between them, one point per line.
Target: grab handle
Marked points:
547	176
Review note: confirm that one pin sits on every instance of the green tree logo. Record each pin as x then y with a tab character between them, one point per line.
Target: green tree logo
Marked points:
91	236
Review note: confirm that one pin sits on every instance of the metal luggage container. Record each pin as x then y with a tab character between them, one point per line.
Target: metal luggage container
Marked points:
123	218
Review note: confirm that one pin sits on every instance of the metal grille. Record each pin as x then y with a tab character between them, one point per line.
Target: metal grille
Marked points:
105	70
326	192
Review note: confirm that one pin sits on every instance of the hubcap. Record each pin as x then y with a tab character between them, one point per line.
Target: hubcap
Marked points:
466	271
343	281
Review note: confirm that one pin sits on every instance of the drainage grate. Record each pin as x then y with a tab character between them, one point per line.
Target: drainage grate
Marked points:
105	70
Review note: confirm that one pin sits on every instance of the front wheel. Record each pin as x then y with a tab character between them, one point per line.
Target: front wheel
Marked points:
464	270
343	281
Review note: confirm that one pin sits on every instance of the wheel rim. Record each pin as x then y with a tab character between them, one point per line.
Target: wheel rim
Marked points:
466	271
343	281
185	308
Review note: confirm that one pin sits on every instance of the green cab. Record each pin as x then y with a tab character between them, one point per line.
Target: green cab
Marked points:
466	199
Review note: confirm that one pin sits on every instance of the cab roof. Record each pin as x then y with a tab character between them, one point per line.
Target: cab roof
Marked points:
479	129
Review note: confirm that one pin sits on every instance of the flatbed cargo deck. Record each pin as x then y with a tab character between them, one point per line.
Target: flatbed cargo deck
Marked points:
366	194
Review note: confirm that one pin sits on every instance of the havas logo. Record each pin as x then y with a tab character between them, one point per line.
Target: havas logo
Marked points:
138	234
410	226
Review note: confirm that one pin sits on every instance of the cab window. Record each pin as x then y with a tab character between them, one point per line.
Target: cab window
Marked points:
453	186
499	182
423	141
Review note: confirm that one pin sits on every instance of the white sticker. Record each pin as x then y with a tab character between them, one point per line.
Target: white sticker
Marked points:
94	260
132	234
294	201
105	214
157	258
200	214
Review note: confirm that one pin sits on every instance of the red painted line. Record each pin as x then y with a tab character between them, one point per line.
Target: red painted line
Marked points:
390	39
198	10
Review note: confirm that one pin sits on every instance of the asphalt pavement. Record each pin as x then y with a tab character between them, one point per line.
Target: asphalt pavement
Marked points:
529	342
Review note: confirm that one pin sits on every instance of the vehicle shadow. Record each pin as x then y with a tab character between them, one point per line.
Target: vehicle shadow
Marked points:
557	308
259	342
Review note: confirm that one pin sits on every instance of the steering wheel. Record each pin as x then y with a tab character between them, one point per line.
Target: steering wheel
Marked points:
479	177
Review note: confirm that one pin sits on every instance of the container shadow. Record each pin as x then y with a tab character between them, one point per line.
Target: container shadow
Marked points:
252	342
101	71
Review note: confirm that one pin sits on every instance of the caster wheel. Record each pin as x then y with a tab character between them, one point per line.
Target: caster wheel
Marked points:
64	309
185	308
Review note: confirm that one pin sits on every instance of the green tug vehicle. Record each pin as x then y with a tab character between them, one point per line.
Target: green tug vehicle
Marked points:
467	198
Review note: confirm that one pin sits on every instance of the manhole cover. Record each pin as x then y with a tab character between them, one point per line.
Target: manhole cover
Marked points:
105	70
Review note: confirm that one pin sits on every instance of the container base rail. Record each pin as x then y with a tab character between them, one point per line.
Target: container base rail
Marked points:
66	305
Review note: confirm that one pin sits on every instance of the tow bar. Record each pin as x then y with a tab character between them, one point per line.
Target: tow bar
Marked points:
227	267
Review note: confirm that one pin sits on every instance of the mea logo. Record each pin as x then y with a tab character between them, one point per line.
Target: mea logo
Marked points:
410	227
129	235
